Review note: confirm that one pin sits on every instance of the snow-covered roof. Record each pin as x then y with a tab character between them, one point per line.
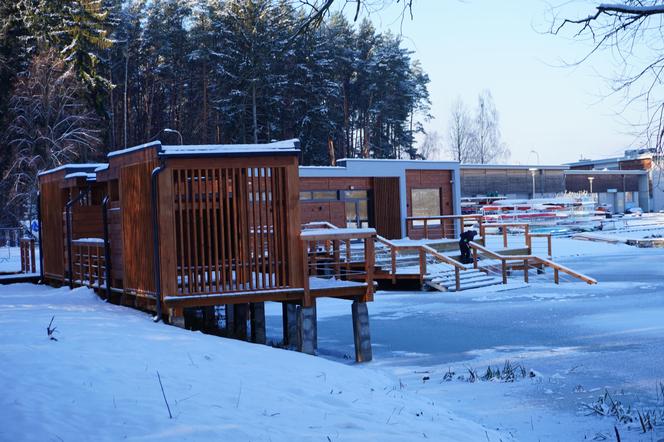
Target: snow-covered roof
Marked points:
513	167
88	176
115	153
277	147
101	168
85	167
193	150
606	172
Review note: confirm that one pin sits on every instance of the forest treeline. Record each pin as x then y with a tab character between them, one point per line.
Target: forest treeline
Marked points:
80	78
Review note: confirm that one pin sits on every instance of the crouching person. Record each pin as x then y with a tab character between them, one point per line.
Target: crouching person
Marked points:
464	247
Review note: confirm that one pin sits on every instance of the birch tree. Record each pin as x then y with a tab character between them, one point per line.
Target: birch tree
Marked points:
460	133
50	124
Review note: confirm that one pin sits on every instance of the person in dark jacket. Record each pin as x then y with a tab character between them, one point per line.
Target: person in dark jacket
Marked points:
466	237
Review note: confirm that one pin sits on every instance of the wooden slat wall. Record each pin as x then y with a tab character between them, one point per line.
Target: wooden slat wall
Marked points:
231	225
387	207
135	197
52	206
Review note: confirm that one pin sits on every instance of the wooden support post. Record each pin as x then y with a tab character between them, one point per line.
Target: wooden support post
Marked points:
423	265
457	277
257	310
176	317
527	233
504	237
33	265
289	319
230	321
525	270
504	271
361	332
426	229
394	265
240	316
475	264
349	255
336	249
548	240
307	329
556	276
305	280
369	265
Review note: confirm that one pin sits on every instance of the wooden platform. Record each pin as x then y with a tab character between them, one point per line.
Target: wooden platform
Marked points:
319	288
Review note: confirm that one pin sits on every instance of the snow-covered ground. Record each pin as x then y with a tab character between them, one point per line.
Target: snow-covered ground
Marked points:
582	340
99	381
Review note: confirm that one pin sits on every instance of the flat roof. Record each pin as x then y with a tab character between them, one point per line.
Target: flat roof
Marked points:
288	147
370	167
513	166
606	172
71	168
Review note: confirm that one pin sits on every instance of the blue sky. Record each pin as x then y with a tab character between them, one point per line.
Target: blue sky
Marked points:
561	112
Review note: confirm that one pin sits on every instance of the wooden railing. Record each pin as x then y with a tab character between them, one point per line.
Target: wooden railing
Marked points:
527	261
28	259
437	227
503	231
326	260
88	263
423	251
529	242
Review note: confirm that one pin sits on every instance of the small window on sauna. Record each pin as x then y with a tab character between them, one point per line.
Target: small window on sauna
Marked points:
325	195
304	196
355	194
115	190
425	202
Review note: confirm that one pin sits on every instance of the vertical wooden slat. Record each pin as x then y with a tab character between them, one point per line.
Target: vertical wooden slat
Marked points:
262	218
223	227
276	213
181	254
208	221
255	205
245	233
234	198
272	254
228	225
194	230
188	186
215	222
200	270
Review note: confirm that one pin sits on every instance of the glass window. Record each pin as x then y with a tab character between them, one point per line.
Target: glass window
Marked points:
305	196
425	202
325	195
355	194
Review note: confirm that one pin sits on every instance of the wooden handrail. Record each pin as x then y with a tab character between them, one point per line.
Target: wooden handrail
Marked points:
423	250
526	258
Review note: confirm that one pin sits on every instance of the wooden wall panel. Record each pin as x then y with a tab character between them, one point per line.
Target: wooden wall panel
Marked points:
53	230
429	179
387	207
330	211
135	198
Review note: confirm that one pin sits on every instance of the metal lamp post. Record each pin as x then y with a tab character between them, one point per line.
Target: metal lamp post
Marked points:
532	173
173	131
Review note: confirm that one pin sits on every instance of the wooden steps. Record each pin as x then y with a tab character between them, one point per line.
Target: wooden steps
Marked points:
470	279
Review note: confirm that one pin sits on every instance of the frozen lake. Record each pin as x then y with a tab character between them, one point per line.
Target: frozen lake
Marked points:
582	339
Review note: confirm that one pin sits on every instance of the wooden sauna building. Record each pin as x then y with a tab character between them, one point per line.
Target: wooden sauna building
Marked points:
396	197
181	229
